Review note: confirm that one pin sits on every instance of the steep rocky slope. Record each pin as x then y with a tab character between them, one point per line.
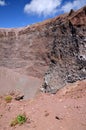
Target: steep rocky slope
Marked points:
68	54
56	46
25	49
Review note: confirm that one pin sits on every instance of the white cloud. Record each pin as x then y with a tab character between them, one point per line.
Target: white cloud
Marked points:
2	3
42	7
76	4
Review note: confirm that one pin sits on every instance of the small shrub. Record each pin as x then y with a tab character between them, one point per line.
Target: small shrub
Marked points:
14	122
8	99
20	119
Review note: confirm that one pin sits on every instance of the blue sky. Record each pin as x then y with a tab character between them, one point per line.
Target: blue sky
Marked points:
18	13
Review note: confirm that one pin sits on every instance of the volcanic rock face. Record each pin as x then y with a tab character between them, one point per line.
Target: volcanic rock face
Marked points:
24	50
68	55
58	45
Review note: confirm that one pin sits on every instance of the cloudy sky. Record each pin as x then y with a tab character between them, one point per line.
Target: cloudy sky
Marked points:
17	13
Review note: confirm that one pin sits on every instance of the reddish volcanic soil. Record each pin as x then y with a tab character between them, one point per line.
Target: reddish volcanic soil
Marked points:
64	111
